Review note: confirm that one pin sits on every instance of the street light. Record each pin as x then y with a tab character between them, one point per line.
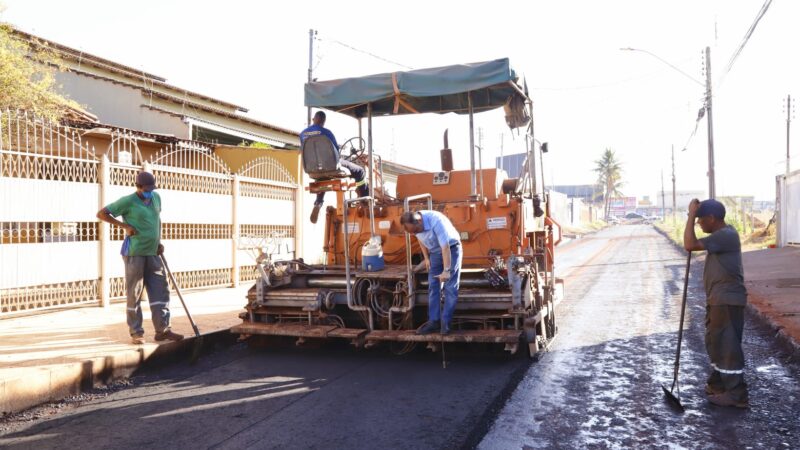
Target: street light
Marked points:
712	191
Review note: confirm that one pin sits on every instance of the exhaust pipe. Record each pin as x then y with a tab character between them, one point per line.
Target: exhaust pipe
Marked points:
446	155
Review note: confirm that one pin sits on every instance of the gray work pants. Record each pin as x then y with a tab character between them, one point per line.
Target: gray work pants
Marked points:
146	272
724	327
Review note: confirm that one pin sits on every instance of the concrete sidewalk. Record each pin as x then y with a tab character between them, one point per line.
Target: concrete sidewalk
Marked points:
50	356
772	277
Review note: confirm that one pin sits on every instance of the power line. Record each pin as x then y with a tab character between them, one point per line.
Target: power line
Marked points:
600	85
747	35
373	55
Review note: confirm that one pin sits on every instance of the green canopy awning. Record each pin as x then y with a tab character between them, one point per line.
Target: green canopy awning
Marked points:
436	90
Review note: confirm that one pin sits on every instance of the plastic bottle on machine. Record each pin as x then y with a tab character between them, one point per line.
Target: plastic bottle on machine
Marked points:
372	255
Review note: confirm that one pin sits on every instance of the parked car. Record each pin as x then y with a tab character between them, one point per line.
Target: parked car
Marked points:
634	219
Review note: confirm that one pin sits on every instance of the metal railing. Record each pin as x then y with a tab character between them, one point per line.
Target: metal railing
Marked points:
54	252
349	290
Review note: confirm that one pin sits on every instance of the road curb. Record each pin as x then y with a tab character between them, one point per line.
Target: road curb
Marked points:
33	386
787	340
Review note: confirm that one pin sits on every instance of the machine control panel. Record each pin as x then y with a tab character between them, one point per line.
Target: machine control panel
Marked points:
441	178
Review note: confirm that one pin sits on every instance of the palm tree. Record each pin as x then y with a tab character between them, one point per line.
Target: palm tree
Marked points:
609	175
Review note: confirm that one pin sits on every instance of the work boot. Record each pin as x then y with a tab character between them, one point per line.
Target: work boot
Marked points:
713	390
445	330
137	339
315	212
429	327
725	399
362	191
168	335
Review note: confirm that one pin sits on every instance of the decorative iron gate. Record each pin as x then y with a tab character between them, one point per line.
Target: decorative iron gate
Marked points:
53	251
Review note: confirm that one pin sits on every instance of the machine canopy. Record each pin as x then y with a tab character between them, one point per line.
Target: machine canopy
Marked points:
435	90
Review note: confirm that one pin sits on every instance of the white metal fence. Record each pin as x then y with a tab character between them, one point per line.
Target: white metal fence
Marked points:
788	209
53	251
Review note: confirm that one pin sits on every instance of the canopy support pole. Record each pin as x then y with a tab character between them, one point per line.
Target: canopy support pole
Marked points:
371	169
532	152
473	188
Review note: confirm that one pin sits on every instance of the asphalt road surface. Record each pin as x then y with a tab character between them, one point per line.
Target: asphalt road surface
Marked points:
597	387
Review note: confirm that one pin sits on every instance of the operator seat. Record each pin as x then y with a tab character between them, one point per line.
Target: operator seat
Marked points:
321	159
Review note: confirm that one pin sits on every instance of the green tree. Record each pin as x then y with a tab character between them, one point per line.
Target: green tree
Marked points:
27	78
609	177
255	144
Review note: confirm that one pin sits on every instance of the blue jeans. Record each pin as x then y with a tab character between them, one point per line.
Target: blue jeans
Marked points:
146	272
357	172
450	286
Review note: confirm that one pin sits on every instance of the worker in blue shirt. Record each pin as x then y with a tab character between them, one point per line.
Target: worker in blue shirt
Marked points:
356	171
441	249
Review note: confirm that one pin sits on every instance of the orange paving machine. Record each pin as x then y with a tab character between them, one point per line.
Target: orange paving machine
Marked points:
508	290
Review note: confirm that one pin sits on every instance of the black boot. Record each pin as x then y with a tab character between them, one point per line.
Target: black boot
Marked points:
315	212
362	191
431	326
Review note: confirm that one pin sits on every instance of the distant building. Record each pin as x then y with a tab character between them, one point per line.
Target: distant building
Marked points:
588	193
682	199
512	164
763	205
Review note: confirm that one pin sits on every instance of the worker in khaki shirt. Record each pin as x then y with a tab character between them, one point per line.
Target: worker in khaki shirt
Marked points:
726	297
141	252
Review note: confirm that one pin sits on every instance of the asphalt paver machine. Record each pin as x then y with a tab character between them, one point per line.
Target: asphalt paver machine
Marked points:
508	288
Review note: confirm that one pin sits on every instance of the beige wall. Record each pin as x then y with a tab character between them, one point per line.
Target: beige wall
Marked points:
237	157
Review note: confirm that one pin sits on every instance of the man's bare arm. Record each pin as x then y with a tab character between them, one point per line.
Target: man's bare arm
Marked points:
690	241
446	263
104	215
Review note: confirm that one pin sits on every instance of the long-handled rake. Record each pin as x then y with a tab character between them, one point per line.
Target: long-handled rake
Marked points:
198	341
673	394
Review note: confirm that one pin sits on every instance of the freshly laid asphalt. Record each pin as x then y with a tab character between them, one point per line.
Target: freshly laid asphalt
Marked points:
598	387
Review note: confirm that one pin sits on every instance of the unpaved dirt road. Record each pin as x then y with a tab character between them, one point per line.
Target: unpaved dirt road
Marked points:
598	387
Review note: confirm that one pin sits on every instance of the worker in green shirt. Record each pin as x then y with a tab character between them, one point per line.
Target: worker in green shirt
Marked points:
141	252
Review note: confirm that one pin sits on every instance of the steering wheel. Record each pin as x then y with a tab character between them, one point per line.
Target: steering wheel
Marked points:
353	149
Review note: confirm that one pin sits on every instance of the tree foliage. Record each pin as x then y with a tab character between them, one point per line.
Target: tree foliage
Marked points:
27	80
609	177
255	144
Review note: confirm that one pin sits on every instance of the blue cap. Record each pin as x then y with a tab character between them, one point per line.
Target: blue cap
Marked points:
146	179
711	207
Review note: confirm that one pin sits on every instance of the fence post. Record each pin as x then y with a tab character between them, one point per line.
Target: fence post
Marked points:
298	212
235	232
104	237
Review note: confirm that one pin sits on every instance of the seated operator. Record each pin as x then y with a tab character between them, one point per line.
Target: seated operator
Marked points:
356	171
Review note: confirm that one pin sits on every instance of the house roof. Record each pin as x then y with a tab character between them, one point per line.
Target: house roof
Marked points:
400	168
84	58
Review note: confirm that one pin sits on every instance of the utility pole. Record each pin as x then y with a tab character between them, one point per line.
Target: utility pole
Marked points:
744	217
674	202
712	190
502	163
663	198
788	127
311	34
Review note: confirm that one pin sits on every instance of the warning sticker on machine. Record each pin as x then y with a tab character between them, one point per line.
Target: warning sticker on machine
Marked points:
494	223
352	228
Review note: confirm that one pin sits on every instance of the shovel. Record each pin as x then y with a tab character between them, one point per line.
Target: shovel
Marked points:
198	341
673	394
441	323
